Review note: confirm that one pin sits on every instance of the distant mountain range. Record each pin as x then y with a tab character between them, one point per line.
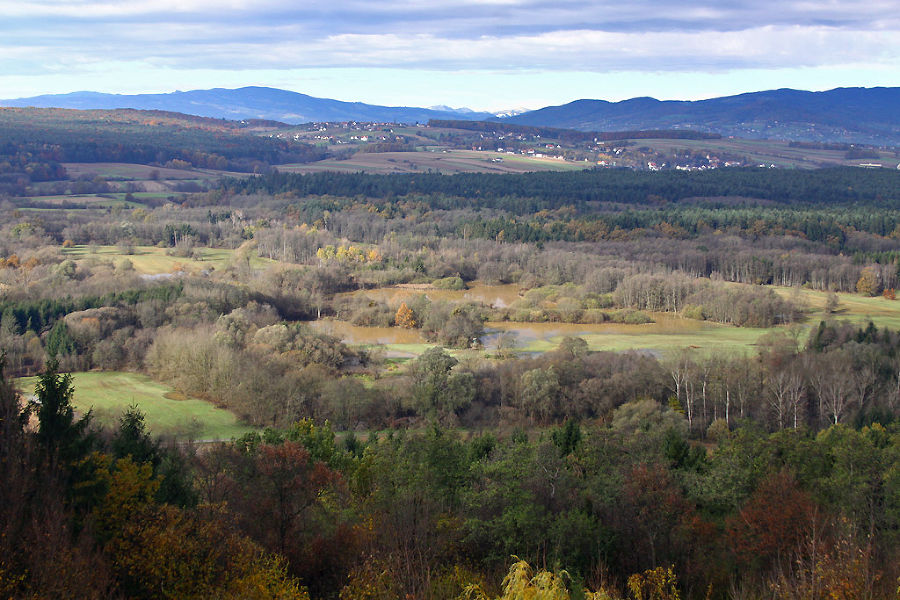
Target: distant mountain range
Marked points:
861	115
250	103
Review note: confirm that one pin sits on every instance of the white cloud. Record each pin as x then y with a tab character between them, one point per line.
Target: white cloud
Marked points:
604	36
192	45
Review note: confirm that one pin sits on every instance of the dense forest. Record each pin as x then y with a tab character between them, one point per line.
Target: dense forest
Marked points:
550	190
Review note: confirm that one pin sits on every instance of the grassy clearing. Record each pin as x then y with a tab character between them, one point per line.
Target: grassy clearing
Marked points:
851	307
91	201
125	171
149	260
766	152
445	161
109	394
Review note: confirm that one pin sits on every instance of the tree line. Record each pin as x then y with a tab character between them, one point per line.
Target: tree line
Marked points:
839	185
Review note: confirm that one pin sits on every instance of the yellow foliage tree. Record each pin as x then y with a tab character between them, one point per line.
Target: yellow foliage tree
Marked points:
131	488
166	552
654	584
405	317
868	284
522	583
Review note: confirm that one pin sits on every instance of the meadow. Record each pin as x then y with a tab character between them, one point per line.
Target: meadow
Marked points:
109	394
150	260
126	171
767	152
851	307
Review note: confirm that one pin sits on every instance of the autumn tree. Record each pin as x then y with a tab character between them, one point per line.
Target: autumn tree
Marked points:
166	552
540	393
654	584
658	516
405	317
869	283
771	523
523	583
285	498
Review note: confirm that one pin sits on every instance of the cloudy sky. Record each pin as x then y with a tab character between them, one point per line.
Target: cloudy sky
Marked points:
485	54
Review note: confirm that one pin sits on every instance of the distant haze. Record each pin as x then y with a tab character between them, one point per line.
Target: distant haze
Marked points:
855	115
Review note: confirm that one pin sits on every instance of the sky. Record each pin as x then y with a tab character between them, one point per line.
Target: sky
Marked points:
482	54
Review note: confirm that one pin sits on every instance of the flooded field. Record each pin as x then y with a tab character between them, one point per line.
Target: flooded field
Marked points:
368	336
396	341
667	333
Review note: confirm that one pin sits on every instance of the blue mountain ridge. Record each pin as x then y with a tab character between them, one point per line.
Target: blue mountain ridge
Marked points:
853	115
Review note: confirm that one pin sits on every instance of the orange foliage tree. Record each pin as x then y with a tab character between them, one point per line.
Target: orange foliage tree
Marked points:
772	523
405	317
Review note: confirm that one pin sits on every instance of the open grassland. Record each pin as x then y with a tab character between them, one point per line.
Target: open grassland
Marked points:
149	260
109	394
76	203
851	307
134	172
767	152
445	161
91	201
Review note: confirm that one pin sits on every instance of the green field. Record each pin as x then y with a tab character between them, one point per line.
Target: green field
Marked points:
851	307
149	260
766	152
91	201
109	394
133	172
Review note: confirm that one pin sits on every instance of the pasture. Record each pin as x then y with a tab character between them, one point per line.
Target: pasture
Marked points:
765	152
851	307
150	260
134	172
109	394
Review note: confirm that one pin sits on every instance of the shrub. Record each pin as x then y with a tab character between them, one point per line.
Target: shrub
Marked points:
449	283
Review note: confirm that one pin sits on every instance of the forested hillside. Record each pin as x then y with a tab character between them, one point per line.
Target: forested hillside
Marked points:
860	115
35	142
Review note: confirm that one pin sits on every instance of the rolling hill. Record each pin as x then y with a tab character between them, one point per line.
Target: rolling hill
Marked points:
861	115
848	115
248	103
